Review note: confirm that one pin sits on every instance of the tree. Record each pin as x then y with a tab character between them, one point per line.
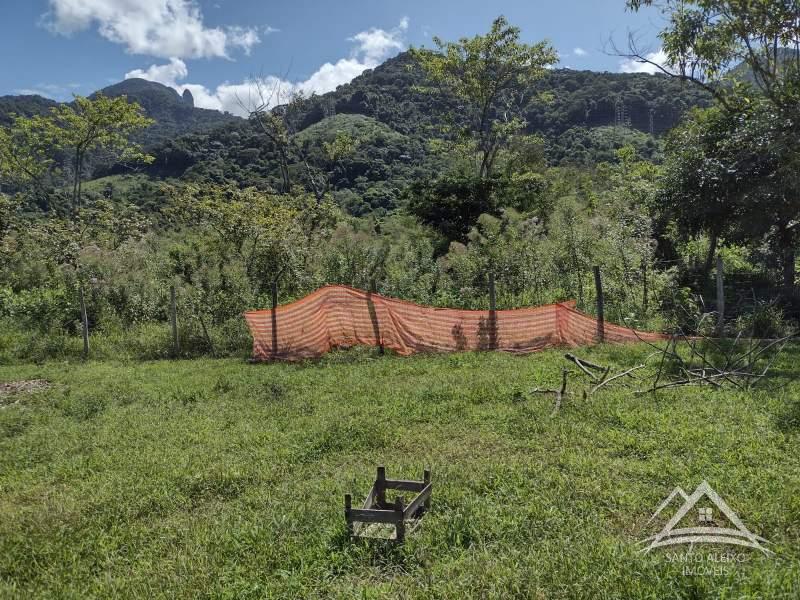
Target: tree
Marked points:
273	111
271	235
706	39
699	186
91	124
705	42
491	75
25	154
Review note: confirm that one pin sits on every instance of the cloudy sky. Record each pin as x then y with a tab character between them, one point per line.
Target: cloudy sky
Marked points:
217	48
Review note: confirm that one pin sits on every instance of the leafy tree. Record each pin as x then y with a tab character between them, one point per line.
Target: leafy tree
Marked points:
704	40
336	151
452	203
272	235
491	75
700	185
277	123
94	124
25	153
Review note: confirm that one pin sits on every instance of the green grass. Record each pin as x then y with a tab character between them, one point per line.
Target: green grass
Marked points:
217	478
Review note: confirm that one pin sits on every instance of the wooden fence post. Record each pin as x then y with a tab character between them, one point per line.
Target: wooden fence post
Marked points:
274	317
173	320
720	297
348	504
84	323
380	487
401	524
426	479
492	295
644	287
598	286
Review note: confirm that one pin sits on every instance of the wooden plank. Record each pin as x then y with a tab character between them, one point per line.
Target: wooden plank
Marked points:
418	501
404	485
370	501
401	524
347	516
380	487
371	515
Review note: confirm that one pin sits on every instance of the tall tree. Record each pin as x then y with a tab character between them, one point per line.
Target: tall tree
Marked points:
92	124
705	41
700	184
491	75
274	110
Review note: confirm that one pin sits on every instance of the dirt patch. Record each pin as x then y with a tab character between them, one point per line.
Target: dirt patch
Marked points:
8	389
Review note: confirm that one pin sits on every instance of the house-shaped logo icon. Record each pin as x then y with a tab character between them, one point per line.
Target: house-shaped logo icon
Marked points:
708	533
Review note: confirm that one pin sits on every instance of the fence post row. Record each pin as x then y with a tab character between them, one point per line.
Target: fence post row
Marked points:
84	323
173	319
720	296
492	294
598	285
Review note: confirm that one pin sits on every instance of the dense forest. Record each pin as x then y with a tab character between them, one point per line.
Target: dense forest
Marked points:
407	180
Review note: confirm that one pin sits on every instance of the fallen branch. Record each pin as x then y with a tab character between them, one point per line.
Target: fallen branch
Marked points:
558	393
583	361
617	376
579	362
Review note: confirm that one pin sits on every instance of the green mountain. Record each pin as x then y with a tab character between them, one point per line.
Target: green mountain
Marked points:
174	114
591	114
580	99
25	106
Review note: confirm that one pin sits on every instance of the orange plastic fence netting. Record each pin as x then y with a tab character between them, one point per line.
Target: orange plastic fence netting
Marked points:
338	316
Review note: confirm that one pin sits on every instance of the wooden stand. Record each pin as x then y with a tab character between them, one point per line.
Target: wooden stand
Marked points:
377	510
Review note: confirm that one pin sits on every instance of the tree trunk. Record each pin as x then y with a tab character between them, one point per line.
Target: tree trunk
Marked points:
712	252
787	254
287	184
788	271
76	175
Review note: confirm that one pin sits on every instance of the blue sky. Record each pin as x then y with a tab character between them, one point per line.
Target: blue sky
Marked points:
216	48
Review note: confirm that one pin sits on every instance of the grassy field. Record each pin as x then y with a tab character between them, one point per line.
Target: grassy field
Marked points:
217	478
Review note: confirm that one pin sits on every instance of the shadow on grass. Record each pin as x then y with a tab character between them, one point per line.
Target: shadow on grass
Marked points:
788	420
380	553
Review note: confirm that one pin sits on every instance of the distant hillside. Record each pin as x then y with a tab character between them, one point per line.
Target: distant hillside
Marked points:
174	115
743	72
25	106
590	116
580	99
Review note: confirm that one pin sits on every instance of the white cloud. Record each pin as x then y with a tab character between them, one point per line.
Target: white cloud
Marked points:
376	44
632	65
579	51
162	28
372	48
168	74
